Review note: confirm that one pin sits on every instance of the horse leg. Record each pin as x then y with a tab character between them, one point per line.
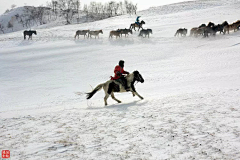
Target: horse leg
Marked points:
113	97
133	94
105	99
138	95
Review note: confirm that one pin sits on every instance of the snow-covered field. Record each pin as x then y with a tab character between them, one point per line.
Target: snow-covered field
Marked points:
191	107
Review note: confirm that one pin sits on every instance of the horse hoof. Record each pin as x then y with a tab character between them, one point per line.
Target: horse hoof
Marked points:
119	102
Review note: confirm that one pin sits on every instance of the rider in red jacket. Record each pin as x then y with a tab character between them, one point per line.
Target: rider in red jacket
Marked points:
119	74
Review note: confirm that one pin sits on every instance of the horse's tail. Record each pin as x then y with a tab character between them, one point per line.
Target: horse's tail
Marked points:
76	34
90	94
130	26
175	34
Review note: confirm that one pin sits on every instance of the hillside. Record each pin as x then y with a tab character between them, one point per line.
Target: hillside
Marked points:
191	90
32	18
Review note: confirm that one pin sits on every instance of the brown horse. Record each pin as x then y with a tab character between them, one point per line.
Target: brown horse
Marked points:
134	25
81	32
115	33
193	31
230	27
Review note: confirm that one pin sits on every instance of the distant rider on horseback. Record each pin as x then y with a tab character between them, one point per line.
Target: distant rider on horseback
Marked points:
119	75
137	21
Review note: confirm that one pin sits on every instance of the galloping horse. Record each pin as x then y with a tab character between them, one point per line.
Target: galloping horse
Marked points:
114	86
29	33
134	25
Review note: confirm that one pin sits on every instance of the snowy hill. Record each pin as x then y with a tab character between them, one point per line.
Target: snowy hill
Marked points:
28	17
191	90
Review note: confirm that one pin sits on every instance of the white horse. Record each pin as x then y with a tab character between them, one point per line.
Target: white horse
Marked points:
114	86
94	33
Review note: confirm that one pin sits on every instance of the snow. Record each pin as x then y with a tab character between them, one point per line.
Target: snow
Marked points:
191	90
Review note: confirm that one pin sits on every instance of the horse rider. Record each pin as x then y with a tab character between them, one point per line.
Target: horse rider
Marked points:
137	20
119	75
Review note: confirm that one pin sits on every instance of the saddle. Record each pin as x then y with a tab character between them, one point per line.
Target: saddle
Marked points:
137	23
116	84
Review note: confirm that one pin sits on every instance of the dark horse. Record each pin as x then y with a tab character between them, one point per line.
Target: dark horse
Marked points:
134	25
220	27
114	86
29	33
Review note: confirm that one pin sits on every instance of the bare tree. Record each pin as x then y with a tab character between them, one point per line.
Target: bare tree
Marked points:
7	11
67	9
111	7
85	10
40	14
54	6
77	4
2	28
13	6
130	7
53	11
121	8
135	9
10	25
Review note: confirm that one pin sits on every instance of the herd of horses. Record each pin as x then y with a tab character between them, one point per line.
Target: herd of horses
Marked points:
210	29
203	30
117	33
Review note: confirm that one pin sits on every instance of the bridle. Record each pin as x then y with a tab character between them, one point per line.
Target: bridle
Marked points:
137	78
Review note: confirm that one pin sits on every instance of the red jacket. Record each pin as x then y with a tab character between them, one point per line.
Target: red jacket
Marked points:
116	70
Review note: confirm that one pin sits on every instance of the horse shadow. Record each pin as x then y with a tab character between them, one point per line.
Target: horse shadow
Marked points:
25	43
91	41
125	106
121	41
146	40
120	106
